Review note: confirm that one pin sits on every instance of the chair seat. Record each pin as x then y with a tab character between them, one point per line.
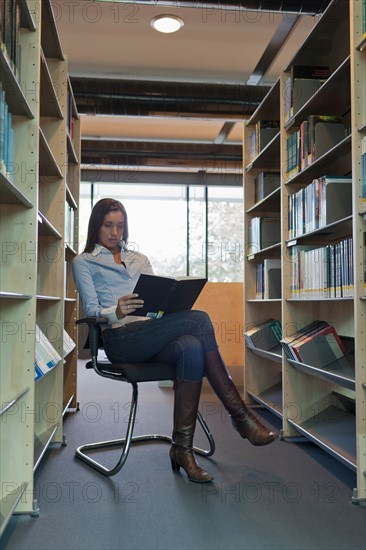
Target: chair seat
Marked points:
137	372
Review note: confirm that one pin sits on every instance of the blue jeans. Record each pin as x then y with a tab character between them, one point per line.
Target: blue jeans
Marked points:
179	338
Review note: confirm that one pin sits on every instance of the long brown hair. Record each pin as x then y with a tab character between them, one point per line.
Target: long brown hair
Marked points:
101	208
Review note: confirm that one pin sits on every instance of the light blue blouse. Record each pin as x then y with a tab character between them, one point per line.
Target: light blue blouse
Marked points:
100	281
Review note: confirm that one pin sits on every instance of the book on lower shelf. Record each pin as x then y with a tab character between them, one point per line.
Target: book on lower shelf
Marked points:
164	295
265	336
46	356
316	345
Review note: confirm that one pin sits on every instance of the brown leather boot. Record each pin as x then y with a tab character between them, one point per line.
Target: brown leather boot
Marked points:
186	400
242	419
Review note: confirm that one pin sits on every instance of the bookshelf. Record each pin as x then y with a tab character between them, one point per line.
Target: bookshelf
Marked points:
263	376
39	182
324	405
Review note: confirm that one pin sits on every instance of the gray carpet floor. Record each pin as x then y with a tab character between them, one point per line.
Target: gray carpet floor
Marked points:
287	496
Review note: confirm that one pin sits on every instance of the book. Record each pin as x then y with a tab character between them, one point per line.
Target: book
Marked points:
265	336
288	341
164	295
320	348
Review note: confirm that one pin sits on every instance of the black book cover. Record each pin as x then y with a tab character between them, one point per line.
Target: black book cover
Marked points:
163	295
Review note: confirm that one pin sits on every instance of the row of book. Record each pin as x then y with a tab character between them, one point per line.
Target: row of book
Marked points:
324	272
265	336
10	33
262	133
301	84
46	356
315	137
268	279
322	202
317	344
262	233
6	138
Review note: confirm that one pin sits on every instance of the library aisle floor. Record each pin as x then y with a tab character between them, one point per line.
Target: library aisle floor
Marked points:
285	496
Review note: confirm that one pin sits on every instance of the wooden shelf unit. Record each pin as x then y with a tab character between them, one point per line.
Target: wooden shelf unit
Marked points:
33	199
327	406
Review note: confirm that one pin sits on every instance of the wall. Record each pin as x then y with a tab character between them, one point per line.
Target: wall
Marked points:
224	303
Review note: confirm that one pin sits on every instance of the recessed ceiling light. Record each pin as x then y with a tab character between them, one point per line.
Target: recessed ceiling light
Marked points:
167	23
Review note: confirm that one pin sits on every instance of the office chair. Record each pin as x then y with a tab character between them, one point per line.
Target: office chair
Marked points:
134	374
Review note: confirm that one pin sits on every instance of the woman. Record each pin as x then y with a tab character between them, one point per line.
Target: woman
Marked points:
105	275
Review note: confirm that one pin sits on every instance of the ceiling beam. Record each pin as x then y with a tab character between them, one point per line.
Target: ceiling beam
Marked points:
139	154
303	7
118	97
127	175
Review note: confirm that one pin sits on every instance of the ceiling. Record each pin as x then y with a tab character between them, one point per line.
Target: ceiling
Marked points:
152	101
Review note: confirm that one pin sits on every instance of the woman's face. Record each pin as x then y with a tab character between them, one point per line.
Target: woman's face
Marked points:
111	230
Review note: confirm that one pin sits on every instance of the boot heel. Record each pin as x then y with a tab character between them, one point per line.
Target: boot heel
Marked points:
175	465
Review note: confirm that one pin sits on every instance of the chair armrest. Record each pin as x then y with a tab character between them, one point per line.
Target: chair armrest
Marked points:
94	337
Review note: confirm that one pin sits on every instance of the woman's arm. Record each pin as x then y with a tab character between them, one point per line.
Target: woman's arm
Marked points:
88	295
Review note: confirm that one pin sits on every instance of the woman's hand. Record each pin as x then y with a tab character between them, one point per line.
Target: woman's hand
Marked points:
128	304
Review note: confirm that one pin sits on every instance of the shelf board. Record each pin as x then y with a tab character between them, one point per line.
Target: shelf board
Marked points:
343	226
45	228
47	162
45	298
340	372
270	203
274	355
264	300
72	156
269	106
74	109
336	161
14	295
332	98
268	158
10	194
67	404
264	252
26	17
271	399
69	250
41	444
50	39
9	503
15	98
70	198
332	429
318	38
49	105
14	400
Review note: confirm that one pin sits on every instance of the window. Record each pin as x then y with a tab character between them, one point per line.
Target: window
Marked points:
192	230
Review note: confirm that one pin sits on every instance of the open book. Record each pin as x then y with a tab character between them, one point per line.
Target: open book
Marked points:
163	295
